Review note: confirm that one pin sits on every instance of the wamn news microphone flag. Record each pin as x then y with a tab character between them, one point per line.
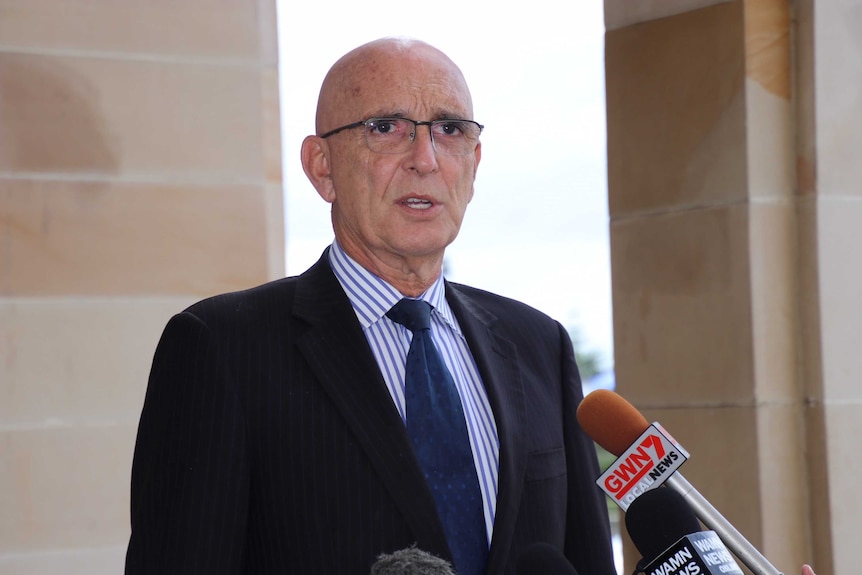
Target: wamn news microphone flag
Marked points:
648	457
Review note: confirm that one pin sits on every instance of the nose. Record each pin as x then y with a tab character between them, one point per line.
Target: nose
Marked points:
422	156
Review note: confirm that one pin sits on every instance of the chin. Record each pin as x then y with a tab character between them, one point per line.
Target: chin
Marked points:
435	247
424	242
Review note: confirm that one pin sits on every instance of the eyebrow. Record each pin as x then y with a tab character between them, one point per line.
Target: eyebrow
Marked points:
439	116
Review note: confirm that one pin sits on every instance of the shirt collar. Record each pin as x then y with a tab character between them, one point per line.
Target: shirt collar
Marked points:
371	296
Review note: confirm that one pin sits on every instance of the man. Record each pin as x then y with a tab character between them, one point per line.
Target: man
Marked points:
276	433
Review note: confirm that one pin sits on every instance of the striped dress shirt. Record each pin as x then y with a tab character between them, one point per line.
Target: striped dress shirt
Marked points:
371	297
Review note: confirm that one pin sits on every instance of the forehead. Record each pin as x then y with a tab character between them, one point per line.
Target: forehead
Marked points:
412	81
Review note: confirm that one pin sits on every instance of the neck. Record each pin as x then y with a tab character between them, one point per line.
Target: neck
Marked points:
411	276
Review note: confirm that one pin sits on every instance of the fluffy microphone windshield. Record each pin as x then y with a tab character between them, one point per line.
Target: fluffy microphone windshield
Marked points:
657	519
610	420
411	561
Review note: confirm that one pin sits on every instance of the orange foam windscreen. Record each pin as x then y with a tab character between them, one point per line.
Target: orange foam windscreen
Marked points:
610	420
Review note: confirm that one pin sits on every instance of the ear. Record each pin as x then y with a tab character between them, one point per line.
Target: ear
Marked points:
477	153
315	163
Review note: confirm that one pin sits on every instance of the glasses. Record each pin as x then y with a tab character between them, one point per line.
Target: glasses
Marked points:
396	135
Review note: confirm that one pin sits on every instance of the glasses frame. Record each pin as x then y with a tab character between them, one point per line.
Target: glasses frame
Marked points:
416	124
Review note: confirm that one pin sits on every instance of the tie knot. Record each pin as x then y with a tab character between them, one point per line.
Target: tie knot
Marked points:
414	314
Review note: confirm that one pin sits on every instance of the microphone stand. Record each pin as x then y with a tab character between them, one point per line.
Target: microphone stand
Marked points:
745	551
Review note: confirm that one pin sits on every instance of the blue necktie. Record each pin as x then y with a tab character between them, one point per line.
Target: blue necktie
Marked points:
438	431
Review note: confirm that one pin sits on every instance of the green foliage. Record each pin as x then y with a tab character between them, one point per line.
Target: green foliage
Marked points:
590	362
605	460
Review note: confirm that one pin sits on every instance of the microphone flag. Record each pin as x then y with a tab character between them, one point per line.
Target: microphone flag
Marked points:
645	465
700	553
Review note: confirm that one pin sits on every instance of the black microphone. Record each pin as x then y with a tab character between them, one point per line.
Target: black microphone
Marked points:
543	559
616	425
411	561
665	530
658	519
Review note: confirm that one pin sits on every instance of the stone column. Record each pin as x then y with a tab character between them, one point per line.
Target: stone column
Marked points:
829	136
140	171
734	196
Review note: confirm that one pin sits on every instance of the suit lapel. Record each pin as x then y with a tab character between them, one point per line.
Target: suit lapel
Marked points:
339	355
342	361
497	360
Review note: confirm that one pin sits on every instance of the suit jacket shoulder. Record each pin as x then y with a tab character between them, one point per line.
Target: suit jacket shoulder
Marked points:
268	442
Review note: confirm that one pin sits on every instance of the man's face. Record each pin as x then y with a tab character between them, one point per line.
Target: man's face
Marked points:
394	208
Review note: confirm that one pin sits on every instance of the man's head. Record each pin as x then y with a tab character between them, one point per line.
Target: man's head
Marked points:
394	211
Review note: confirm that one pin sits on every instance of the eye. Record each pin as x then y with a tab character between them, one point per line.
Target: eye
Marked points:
455	129
385	126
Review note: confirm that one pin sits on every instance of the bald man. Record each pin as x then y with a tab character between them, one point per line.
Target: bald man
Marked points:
273	438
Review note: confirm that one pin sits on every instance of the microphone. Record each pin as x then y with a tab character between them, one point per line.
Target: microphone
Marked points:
664	529
617	425
411	561
543	559
657	519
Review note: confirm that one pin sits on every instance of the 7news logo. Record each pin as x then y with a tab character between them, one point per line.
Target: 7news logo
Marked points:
646	464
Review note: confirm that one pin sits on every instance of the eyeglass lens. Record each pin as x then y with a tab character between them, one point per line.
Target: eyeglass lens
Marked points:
396	135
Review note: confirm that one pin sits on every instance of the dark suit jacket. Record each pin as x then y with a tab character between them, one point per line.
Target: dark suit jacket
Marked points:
269	444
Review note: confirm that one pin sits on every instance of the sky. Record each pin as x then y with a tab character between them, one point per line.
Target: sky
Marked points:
537	228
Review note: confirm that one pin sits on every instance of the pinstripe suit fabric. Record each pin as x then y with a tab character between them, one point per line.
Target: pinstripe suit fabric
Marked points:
269	444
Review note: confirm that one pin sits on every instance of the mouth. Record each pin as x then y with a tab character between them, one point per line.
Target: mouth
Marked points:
418	204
